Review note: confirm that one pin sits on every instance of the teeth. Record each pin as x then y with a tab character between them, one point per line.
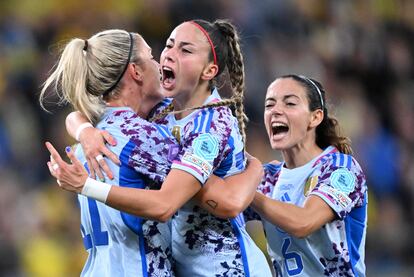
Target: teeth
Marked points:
167	68
278	124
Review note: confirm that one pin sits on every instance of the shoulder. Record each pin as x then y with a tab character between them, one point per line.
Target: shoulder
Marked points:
272	168
342	176
127	123
160	107
341	164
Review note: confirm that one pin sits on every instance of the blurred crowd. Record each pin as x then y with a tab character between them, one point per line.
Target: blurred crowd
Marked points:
361	51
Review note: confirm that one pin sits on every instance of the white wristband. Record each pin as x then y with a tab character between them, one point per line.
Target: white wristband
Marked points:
96	190
80	129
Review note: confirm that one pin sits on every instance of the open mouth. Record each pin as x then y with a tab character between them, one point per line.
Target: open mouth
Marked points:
168	77
279	128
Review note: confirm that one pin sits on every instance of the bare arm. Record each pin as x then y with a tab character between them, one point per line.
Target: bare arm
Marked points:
93	143
297	221
158	205
229	197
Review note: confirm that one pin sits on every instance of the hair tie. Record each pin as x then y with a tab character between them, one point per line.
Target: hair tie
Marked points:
85	47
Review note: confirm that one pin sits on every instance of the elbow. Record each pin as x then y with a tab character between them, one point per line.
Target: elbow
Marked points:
163	213
232	208
302	230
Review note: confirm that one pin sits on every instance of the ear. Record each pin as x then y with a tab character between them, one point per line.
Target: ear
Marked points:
209	72
316	118
136	72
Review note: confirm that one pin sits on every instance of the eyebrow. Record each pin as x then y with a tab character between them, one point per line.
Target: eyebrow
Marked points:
284	97
182	43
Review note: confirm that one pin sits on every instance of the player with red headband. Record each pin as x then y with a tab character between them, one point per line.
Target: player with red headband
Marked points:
205	241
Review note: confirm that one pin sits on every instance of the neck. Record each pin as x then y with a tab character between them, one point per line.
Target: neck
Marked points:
191	100
300	154
130	98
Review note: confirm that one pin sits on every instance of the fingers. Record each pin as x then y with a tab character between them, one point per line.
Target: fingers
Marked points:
92	164
71	155
104	166
110	155
54	155
95	167
109	138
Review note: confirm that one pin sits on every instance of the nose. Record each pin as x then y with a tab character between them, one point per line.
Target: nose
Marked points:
277	109
169	54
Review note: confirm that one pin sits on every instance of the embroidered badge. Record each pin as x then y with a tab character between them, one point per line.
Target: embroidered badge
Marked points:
176	132
206	146
310	185
343	180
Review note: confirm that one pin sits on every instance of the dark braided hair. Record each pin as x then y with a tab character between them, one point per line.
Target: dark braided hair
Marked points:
226	43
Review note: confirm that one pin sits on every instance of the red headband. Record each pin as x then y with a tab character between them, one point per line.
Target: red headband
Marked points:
208	38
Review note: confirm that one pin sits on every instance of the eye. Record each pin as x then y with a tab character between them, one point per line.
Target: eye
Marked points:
269	105
186	51
290	104
168	45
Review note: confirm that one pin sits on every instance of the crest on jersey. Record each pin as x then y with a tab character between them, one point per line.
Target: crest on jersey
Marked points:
176	132
310	185
206	146
343	180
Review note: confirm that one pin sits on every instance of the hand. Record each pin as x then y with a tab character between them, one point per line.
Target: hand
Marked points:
93	143
254	163
70	177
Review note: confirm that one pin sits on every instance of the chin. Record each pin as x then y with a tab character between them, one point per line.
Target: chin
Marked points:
168	93
278	146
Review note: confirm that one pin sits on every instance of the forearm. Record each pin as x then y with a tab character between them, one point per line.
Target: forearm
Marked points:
289	217
295	220
160	205
150	204
229	197
73	121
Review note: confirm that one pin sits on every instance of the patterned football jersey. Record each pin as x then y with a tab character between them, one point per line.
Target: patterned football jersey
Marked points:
204	245
120	244
336	249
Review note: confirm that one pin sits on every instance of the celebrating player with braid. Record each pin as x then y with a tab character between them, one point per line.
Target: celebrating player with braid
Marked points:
196	54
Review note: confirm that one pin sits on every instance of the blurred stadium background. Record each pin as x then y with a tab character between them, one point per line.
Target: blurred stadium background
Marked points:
362	51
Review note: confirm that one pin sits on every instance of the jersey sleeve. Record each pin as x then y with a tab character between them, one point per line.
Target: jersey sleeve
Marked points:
148	148
205	144
266	186
341	184
159	108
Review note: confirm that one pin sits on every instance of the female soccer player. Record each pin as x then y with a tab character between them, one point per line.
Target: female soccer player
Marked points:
114	80
313	204
196	53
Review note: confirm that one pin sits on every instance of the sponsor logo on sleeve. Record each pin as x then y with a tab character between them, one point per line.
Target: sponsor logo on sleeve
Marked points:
343	180
198	162
206	146
342	199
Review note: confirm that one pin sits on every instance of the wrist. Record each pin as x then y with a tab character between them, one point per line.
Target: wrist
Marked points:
81	128
96	190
